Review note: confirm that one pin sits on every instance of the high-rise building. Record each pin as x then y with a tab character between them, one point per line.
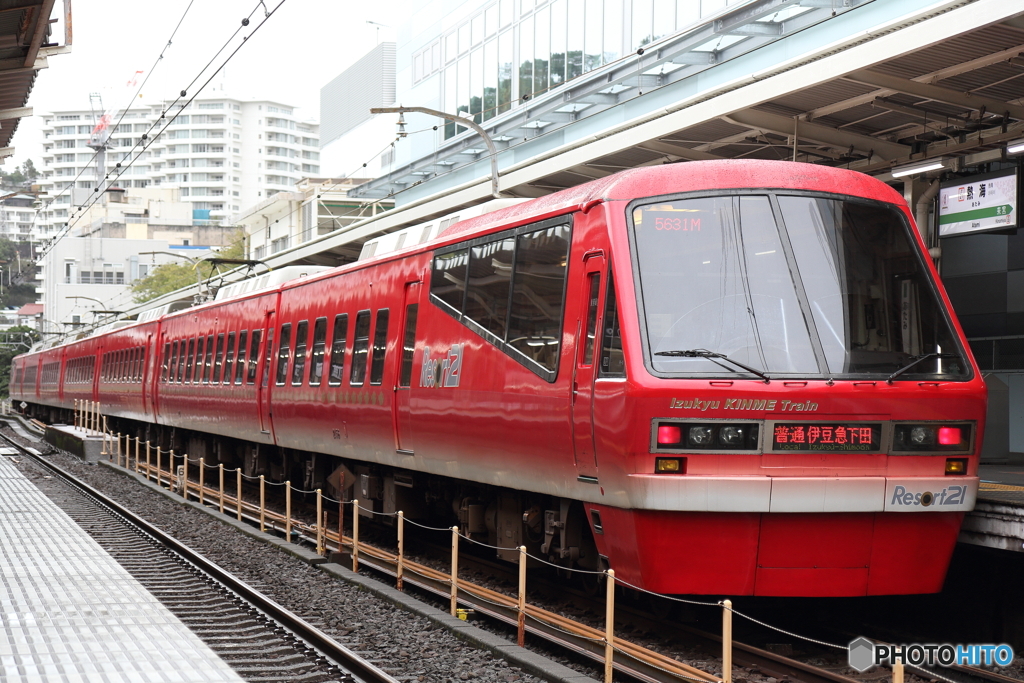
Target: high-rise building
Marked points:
221	153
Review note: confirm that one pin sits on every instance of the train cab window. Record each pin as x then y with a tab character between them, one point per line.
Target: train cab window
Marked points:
538	294
208	363
229	359
299	367
254	356
380	347
448	279
284	354
316	369
490	278
360	345
243	338
593	292
613	362
173	362
165	366
338	341
408	345
218	361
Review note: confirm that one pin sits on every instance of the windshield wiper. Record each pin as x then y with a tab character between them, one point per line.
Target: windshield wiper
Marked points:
914	360
711	355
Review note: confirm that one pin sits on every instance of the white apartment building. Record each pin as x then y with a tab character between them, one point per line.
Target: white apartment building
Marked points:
221	153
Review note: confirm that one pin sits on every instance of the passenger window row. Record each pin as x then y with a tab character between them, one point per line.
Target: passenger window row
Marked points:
510	288
292	368
51	373
212	359
124	366
79	370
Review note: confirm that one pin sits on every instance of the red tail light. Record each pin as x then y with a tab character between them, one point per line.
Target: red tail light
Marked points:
949	436
669	434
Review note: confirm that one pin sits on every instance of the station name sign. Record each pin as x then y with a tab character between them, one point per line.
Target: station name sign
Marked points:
980	203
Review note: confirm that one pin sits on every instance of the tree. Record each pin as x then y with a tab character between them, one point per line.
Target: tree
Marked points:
28	169
173	276
8	352
16	264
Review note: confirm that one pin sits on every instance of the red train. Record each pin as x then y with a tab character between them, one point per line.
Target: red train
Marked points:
727	377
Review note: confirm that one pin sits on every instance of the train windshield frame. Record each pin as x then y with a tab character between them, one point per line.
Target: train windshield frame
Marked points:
790	284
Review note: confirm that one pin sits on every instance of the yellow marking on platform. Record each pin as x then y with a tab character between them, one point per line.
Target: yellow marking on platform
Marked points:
999	487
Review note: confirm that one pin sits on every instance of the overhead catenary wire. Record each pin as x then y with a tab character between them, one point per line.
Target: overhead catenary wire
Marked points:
88	164
145	141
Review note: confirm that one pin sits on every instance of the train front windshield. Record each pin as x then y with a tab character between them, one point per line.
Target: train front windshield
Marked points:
788	285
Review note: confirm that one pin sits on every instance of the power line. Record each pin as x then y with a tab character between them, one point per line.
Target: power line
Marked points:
145	140
128	108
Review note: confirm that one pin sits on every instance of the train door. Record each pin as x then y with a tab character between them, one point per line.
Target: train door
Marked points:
263	382
404	376
585	367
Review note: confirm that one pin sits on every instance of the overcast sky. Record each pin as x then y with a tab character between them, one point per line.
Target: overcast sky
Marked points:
304	45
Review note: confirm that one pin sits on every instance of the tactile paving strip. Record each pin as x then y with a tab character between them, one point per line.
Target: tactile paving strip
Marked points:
70	613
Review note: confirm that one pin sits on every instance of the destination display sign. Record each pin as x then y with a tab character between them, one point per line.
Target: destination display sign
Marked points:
838	437
978	203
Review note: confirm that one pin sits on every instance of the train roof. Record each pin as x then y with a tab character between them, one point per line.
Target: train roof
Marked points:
692	176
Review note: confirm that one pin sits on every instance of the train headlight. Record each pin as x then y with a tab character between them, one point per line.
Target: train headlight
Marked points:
700	436
920	436
732	435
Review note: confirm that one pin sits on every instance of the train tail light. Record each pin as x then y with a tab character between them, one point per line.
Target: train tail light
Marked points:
931	437
669	434
956	466
949	436
670	465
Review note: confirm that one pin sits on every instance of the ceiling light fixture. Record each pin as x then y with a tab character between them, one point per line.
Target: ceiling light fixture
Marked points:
1015	147
919	167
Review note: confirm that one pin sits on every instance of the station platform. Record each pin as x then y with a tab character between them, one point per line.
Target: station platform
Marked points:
997	520
70	613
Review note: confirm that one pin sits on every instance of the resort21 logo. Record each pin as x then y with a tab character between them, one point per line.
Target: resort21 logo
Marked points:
864	654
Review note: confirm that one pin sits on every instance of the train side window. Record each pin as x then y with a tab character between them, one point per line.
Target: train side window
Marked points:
490	277
360	345
538	294
243	338
316	370
218	361
139	363
408	345
448	279
380	347
197	374
268	356
254	356
165	367
591	330
190	358
338	341
613	362
208	363
284	354
173	373
229	359
299	367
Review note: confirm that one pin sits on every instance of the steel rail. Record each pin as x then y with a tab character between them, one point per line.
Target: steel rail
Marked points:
305	631
642	663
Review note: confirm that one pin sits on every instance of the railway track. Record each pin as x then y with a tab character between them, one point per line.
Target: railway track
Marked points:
261	640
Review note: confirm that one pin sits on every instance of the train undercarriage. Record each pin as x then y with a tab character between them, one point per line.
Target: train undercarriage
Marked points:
550	527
